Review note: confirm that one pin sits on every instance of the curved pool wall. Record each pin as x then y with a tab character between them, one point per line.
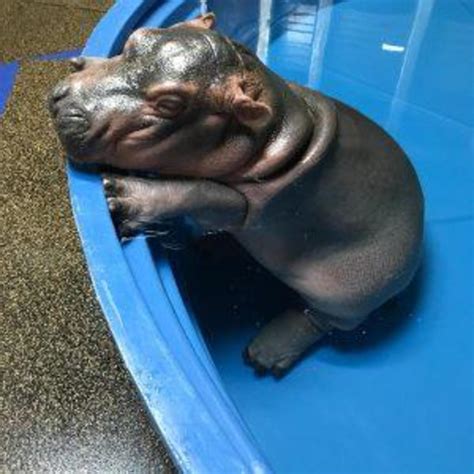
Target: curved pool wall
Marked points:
396	395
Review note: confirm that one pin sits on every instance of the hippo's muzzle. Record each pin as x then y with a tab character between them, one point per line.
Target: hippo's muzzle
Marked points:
71	120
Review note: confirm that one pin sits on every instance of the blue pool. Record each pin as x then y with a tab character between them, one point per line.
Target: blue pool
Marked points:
396	395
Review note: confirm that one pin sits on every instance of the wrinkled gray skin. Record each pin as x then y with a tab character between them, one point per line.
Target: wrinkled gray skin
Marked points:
315	191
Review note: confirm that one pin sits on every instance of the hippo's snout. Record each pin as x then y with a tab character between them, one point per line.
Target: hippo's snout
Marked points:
72	126
71	121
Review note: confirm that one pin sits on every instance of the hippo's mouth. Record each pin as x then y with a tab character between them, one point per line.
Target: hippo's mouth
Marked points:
73	127
80	137
101	141
149	129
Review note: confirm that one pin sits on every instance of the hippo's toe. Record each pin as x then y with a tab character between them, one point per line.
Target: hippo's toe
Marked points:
124	207
268	359
131	205
282	342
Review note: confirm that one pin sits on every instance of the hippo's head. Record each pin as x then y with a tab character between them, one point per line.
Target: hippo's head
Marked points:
181	101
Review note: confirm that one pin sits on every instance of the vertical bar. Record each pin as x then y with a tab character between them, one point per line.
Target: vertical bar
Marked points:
264	29
320	35
418	30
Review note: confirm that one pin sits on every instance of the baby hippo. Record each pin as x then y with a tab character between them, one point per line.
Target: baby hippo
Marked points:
315	191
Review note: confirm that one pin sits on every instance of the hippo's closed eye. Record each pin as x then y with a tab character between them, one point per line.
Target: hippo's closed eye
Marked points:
170	100
169	105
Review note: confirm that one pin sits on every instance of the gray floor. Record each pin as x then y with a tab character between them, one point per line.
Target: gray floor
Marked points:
67	403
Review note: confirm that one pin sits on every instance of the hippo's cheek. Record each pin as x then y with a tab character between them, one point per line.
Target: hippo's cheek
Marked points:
175	157
166	145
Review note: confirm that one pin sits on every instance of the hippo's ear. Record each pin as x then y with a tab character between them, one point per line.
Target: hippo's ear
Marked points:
252	112
207	21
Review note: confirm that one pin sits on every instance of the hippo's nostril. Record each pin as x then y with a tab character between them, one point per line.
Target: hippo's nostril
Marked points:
78	63
59	92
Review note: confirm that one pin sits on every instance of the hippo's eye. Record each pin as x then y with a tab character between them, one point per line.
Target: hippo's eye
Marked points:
169	105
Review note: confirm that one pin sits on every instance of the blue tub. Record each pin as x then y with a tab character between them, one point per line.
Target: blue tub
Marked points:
397	394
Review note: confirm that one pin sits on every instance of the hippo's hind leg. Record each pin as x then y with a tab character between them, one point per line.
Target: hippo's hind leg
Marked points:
282	342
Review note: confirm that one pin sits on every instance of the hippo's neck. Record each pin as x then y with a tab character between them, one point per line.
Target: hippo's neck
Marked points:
308	119
323	135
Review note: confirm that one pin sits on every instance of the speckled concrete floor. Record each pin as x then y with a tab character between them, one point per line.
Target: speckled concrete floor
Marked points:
67	403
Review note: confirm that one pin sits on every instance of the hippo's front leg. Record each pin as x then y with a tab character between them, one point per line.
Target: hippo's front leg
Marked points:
138	203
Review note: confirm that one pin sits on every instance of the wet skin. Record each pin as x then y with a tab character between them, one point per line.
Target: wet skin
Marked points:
315	191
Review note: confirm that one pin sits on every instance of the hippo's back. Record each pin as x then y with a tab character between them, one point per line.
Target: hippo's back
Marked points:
347	233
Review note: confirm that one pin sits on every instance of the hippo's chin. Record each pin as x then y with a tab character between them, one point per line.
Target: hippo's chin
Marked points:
83	148
82	152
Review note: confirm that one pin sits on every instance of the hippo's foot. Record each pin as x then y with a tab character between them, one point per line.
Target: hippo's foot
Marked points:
132	206
283	341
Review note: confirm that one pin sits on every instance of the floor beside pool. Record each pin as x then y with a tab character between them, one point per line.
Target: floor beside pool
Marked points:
68	403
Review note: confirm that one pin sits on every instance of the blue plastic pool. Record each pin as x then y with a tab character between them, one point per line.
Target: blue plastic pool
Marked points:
397	394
